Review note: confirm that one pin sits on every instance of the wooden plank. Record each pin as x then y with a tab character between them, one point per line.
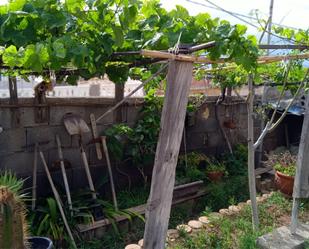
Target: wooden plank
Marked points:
141	209
262	170
179	79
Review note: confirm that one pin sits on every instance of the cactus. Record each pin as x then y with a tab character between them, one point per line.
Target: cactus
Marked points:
13	228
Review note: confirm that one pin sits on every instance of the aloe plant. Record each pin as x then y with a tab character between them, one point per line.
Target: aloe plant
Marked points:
13	226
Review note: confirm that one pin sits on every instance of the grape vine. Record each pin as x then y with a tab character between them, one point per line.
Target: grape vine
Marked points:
37	36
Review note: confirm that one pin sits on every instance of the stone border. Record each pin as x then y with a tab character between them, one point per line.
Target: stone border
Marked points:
203	221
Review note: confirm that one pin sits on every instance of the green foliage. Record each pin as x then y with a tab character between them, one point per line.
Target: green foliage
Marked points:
290	171
13	225
10	181
236	164
133	197
231	232
138	143
283	162
54	34
214	165
189	167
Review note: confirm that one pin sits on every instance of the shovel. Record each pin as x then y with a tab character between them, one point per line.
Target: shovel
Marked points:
75	125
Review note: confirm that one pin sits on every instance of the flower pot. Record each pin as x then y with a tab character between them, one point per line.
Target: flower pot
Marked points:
284	183
40	243
229	124
215	176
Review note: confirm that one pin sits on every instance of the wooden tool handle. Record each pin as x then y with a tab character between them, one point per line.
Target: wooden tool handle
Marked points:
58	200
64	175
103	140
95	135
88	174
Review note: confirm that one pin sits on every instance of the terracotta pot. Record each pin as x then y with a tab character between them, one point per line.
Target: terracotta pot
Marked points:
284	183
229	124
215	176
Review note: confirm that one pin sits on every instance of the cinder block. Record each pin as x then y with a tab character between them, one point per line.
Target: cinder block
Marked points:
283	239
5	118
19	163
57	113
132	113
215	139
205	125
98	111
72	155
27	117
12	140
48	133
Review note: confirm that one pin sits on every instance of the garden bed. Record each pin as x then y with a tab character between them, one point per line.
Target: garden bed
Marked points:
182	193
235	230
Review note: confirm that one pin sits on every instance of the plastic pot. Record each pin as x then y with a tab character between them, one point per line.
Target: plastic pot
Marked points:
284	183
40	243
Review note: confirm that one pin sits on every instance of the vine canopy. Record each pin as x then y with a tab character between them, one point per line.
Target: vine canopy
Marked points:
39	36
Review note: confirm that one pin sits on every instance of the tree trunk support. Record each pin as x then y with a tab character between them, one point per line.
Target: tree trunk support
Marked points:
251	168
179	79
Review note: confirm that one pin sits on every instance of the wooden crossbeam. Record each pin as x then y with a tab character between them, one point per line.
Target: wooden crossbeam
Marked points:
205	60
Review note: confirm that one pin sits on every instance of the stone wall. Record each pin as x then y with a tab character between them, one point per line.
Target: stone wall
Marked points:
17	140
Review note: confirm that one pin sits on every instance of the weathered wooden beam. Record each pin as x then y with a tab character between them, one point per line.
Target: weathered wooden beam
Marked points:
282	46
15	114
179	79
203	59
301	182
251	170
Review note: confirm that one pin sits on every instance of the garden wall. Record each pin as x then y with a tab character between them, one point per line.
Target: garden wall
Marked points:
18	137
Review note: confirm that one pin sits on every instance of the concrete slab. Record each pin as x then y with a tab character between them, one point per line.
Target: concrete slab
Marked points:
283	239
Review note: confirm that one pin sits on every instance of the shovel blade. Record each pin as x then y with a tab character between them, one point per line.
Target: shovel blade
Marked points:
74	124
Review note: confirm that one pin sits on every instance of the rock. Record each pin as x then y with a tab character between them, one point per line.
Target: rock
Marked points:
260	199
184	227
224	211
141	242
248	202
172	233
215	216
241	205
266	196
133	246
283	239
204	220
234	209
194	224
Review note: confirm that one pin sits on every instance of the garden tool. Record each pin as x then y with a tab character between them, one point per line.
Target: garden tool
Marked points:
35	168
95	135
103	140
34	175
75	125
64	175
57	197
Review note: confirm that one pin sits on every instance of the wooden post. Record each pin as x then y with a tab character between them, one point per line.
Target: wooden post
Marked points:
251	168
301	183
158	209
15	114
119	95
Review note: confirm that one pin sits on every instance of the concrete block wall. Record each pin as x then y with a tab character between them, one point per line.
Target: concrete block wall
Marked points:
16	143
16	150
206	135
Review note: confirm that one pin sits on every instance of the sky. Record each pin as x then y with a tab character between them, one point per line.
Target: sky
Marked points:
294	13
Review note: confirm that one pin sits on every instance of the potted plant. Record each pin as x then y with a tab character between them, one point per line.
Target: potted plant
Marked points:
285	169
13	224
215	170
